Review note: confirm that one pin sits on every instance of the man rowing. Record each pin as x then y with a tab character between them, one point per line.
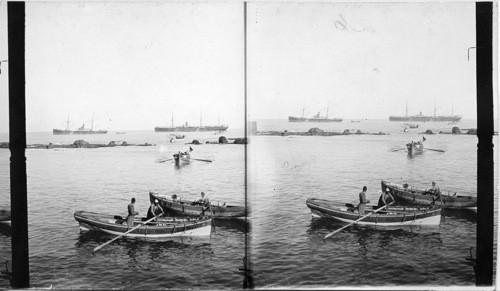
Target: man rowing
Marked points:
385	198
155	210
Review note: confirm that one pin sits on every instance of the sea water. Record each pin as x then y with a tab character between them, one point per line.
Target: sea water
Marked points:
285	243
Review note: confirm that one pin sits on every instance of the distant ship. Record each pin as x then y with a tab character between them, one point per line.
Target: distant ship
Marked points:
315	118
188	128
426	118
80	130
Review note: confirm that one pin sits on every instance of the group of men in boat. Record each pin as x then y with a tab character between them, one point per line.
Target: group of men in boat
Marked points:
155	210
386	198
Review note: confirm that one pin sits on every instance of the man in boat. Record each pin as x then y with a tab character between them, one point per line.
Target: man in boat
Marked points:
155	210
362	201
436	192
204	201
187	153
131	213
385	198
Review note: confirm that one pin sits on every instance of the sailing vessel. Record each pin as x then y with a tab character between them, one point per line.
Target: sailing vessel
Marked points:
315	118
426	118
80	130
188	128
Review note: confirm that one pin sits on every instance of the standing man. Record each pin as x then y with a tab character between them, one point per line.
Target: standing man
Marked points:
362	201
131	213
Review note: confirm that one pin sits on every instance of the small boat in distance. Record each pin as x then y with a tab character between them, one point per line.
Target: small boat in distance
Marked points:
413	196
190	208
394	216
80	130
120	132
415	147
164	227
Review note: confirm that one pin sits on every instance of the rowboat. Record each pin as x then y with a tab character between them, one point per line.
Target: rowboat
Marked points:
415	147
190	208
181	159
394	216
164	227
413	196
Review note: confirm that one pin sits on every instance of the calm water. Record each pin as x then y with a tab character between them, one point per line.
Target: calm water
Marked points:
62	181
287	249
287	245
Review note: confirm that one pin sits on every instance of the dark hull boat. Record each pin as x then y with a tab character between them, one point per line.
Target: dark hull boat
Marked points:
413	196
162	228
79	131
189	208
394	216
190	128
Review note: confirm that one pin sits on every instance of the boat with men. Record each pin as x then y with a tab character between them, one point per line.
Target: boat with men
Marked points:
193	208
403	193
162	227
393	216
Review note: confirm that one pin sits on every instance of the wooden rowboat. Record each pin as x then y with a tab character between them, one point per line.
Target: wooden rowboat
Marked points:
414	196
415	147
181	159
394	216
190	208
164	227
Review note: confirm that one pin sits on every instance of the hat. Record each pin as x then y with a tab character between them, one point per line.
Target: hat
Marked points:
386	189
156	201
202	193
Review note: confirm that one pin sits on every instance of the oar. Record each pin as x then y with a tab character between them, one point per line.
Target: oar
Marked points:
202	160
330	234
434	200
398	149
162	161
441	151
107	243
203	211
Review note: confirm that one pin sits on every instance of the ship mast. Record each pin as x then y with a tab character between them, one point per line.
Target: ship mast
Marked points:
303	109
172	119
92	124
67	124
327	109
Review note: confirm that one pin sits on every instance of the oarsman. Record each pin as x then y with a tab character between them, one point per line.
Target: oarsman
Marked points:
385	198
154	210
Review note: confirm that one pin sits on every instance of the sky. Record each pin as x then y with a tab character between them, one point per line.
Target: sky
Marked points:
134	65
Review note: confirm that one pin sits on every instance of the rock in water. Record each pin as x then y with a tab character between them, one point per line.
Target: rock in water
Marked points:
429	132
240	141
81	143
195	141
456	130
472	131
222	139
315	131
